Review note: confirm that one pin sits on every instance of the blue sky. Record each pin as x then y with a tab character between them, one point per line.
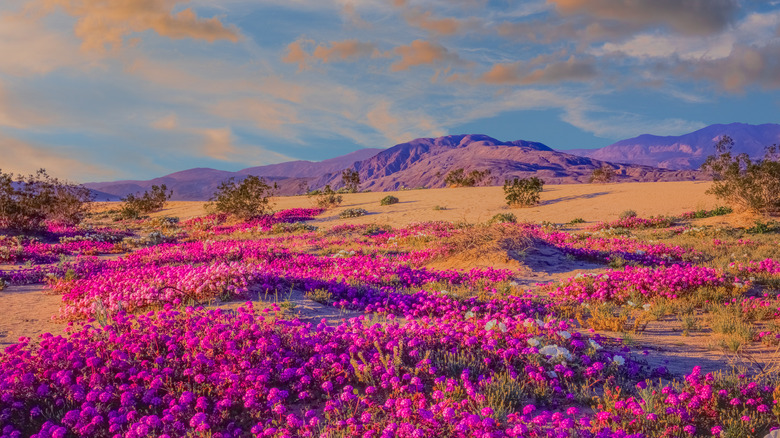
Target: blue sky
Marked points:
133	89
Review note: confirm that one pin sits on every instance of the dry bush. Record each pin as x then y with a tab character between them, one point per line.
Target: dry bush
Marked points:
489	238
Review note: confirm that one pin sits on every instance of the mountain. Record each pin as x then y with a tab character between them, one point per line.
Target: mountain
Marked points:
686	151
423	162
303	169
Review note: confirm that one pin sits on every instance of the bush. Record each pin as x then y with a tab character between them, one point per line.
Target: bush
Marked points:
439	207
134	206
576	221
523	192
459	178
326	198
26	203
501	218
628	214
352	212
744	183
246	199
388	200
351	180
602	175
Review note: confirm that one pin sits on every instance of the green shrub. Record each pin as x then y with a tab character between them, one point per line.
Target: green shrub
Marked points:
351	180
326	198
501	218
627	214
249	198
388	200
27	202
742	182
523	192
459	178
439	207
151	201
353	212
602	175
576	221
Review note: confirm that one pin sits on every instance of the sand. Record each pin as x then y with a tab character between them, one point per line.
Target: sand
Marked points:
560	203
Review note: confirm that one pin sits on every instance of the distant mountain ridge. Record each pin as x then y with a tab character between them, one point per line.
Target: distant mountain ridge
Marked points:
422	162
688	151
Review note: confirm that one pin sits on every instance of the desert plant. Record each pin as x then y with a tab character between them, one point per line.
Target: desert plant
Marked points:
602	175
135	205
26	202
459	177
351	180
576	221
523	192
503	218
628	214
326	198
353	212
439	207
388	200
742	182
246	199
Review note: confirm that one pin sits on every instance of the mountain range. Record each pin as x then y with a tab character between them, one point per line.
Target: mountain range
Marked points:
424	162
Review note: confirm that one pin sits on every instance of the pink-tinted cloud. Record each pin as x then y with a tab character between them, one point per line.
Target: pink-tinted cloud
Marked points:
297	55
103	23
525	73
686	16
347	50
421	52
426	21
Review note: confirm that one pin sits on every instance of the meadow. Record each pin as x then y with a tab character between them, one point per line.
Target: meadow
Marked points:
617	310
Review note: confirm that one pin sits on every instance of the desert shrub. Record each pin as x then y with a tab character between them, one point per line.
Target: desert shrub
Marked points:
503	218
246	199
523	192
627	214
602	175
761	227
701	214
576	221
353	212
136	205
326	197
742	182
351	180
388	200
26	202
439	207
459	177
294	227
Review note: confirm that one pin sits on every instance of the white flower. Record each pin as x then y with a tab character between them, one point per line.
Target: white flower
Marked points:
556	352
619	360
502	327
533	342
646	306
540	323
564	334
631	303
444	292
552	374
528	322
469	315
594	344
489	326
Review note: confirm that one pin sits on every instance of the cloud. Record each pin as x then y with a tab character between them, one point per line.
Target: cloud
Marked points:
296	55
347	50
425	21
218	144
684	16
23	157
400	128
104	23
524	73
15	114
167	123
745	66
421	52
27	47
264	114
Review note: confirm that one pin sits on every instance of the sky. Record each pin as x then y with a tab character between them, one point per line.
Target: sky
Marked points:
101	90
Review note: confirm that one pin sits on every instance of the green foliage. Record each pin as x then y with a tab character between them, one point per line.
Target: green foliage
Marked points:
459	178
501	218
760	227
718	211
628	214
351	180
523	192
151	201
352	212
742	182
26	202
602	175
246	199
326	198
577	220
439	207
388	200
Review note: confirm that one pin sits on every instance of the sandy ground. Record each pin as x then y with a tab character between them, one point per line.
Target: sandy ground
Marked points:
560	203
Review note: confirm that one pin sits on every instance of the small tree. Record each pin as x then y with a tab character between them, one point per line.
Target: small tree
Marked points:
602	175
27	202
326	198
149	202
523	192
351	180
744	183
246	199
459	177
